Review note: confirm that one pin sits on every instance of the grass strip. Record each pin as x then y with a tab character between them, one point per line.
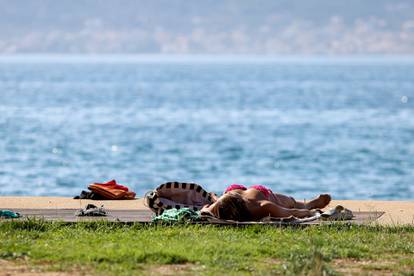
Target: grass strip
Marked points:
113	248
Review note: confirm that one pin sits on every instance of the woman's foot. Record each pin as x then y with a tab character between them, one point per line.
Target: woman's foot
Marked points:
318	203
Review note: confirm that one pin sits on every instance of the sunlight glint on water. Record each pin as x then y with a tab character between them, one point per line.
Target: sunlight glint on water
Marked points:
300	128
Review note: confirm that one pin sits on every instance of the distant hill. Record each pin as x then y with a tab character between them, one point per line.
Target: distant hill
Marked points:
219	26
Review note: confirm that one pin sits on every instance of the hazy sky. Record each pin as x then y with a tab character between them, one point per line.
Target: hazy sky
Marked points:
278	27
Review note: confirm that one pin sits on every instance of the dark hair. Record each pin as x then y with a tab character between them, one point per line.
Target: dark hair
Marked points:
233	207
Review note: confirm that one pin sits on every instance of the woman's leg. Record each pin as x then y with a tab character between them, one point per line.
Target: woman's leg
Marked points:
268	208
318	203
290	202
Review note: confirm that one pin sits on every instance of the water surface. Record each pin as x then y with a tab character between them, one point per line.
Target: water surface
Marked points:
299	126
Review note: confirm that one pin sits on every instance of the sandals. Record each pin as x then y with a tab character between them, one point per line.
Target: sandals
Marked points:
337	213
91	211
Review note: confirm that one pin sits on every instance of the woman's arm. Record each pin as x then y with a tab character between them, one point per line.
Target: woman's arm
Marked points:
268	208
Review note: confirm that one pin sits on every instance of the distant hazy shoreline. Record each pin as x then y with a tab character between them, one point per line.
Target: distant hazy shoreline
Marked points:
202	58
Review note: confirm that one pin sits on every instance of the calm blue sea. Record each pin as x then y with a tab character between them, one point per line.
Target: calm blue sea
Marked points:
300	126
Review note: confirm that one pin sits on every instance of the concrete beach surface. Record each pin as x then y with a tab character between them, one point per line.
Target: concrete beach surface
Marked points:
396	212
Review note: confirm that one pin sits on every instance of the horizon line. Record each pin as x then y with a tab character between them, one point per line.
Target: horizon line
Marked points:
202	58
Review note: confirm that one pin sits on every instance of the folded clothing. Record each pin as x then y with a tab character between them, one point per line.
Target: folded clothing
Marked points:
89	195
113	185
111	190
175	215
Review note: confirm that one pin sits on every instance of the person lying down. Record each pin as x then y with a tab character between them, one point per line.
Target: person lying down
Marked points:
257	202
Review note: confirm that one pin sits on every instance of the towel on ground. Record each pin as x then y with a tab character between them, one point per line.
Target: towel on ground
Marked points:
109	190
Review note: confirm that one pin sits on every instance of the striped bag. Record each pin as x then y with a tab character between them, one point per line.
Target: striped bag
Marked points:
177	195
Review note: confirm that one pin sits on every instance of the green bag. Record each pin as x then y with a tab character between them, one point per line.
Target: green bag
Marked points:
9	214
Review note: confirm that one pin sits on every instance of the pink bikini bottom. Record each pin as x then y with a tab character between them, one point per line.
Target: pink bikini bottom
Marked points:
260	188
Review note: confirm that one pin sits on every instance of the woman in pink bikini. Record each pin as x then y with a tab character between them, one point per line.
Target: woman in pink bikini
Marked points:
256	202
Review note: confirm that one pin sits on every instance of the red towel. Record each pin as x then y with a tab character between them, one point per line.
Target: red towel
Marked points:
111	190
113	184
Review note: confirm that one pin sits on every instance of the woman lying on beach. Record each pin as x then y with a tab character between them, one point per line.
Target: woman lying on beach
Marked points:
256	202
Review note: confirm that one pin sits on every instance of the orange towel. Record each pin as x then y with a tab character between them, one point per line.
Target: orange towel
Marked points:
110	192
113	184
129	195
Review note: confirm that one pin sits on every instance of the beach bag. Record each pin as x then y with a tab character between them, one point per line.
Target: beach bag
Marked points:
177	195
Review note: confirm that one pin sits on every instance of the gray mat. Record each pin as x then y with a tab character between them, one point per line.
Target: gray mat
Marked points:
144	216
68	215
359	218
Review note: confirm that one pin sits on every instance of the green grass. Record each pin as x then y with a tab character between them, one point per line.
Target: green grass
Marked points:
110	248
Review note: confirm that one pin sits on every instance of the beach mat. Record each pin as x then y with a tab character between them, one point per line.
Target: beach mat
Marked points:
145	216
360	218
68	215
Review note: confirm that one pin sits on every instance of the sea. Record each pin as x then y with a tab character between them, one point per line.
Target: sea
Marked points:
299	125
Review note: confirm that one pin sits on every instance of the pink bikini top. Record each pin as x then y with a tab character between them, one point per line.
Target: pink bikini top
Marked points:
266	192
